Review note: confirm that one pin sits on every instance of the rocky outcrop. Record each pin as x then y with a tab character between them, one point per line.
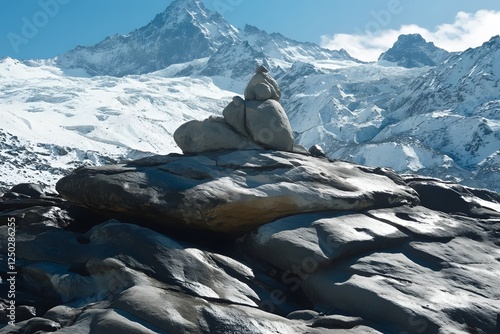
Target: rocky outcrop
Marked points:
357	254
232	191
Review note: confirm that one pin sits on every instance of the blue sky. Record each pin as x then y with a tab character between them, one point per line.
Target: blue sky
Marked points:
363	27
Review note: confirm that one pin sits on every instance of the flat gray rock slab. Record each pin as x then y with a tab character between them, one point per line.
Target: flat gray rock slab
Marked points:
231	191
412	268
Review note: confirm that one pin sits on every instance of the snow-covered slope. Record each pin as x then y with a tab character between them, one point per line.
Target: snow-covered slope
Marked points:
467	82
341	105
184	32
444	124
52	122
284	52
455	109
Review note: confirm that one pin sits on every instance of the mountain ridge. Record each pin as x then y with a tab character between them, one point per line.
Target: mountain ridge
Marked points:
440	120
151	48
183	32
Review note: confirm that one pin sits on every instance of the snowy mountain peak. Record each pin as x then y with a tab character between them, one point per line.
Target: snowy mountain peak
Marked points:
465	81
187	4
193	11
410	39
413	50
179	11
185	31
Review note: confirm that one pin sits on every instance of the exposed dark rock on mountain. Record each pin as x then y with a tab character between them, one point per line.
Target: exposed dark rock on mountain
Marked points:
392	266
414	51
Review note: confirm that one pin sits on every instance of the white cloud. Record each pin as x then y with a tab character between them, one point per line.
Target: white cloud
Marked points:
468	30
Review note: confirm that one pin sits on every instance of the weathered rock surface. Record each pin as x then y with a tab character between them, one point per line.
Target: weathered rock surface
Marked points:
415	269
262	86
232	191
357	254
123	278
264	122
212	134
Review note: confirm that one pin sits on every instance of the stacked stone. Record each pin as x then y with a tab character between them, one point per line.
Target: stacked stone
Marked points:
258	121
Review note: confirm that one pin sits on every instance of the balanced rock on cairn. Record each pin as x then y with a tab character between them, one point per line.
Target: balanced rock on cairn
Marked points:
259	121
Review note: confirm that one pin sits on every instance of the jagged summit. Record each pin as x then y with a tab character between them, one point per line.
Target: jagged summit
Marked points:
178	11
413	50
493	42
185	31
193	11
188	4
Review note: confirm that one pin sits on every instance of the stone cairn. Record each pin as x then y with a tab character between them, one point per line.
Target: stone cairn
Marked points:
257	122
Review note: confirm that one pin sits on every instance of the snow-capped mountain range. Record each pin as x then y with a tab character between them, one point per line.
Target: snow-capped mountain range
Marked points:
419	109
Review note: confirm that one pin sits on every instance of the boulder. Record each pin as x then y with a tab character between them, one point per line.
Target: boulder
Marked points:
305	315
262	86
410	268
212	134
315	240
264	122
316	151
28	189
454	198
36	325
230	192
